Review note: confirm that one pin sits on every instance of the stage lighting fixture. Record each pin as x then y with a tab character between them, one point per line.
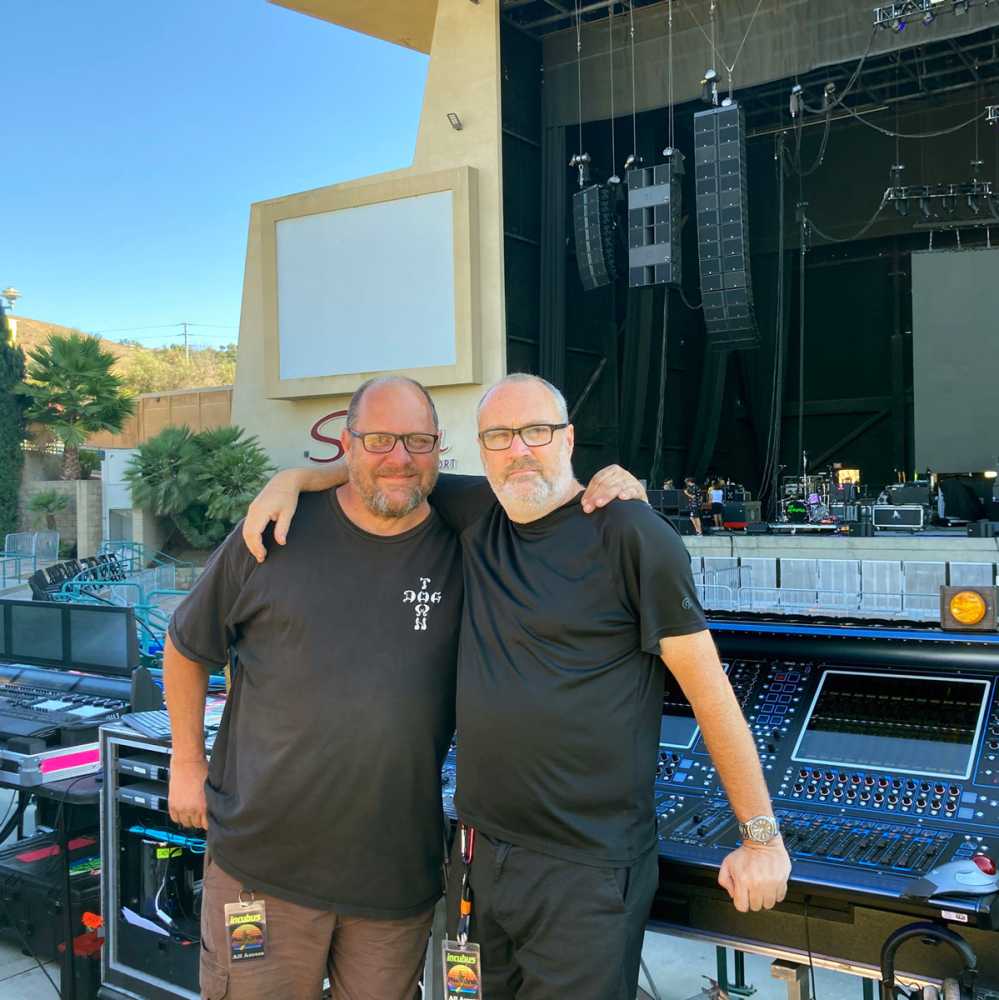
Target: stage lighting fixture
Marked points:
960	7
709	87
899	24
455	121
794	105
990	473
828	95
924	207
992	114
929	17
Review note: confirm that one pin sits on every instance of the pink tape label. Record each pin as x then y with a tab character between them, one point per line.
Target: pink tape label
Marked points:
78	759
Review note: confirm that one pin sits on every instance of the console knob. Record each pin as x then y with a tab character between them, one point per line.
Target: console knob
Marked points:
985	863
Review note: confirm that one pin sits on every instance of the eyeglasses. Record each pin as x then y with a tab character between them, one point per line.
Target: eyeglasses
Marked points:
534	436
381	442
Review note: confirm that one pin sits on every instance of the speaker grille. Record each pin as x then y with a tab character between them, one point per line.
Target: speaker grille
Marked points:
654	211
593	221
723	227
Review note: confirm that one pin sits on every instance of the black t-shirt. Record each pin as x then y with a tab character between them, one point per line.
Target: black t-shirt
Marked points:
560	681
324	781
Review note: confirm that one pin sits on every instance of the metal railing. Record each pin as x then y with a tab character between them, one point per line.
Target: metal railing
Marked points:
833	587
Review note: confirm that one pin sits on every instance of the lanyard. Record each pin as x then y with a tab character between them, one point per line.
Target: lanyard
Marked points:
466	836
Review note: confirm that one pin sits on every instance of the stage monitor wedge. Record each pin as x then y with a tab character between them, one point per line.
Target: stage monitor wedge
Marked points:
654	216
593	222
723	228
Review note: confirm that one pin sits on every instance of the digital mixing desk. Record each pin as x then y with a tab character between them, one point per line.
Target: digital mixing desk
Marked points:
880	748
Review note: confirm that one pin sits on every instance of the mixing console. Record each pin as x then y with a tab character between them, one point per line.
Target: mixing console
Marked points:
881	757
880	770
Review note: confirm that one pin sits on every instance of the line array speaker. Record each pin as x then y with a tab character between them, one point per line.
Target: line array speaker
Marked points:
593	219
723	227
654	203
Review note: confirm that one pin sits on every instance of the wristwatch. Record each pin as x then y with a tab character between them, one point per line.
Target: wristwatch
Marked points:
760	829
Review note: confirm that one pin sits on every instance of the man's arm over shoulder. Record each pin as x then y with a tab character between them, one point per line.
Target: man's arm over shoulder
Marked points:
462	500
653	567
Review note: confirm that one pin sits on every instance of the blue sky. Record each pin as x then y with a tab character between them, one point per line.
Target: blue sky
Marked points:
136	135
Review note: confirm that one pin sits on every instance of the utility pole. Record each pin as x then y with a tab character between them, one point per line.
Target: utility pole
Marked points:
187	348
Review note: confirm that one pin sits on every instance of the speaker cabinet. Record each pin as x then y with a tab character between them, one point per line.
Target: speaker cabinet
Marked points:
593	221
654	214
723	228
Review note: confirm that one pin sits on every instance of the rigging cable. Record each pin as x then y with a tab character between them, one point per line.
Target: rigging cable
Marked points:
610	53
634	101
579	76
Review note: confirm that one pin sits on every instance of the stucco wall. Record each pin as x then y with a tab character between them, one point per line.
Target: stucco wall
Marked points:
80	522
463	77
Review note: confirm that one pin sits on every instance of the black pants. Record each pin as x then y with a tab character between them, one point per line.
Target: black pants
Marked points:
552	929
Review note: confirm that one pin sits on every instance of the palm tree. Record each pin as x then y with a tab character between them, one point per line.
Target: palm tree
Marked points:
72	389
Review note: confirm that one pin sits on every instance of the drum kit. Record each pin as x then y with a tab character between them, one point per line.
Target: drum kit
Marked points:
805	500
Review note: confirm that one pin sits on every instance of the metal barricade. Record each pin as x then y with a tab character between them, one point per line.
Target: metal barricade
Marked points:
968	574
839	584
921	583
881	585
799	584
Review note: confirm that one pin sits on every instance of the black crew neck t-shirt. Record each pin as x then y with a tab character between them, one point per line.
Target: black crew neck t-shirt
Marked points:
560	679
324	780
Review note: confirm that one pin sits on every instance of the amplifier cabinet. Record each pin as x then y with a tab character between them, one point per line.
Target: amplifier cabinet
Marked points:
743	512
906	516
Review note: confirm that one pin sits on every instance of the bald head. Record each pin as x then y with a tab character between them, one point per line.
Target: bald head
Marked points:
389	385
523	379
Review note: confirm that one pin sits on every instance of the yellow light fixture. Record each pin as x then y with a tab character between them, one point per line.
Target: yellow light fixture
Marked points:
968	607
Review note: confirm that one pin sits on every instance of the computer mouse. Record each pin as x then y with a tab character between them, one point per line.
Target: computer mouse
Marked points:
976	876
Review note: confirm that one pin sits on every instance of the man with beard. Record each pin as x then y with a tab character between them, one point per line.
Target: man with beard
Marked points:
323	793
322	799
568	621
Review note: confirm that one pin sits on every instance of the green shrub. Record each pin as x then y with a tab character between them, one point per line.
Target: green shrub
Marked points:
44	505
202	482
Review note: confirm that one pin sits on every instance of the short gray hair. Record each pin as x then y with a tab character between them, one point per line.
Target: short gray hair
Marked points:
355	400
515	377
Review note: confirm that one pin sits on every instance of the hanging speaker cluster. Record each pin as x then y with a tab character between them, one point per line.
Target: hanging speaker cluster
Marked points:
723	227
654	204
593	221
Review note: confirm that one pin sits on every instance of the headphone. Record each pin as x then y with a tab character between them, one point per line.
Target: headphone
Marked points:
961	988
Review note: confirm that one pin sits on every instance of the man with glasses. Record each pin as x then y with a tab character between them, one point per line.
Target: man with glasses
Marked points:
568	620
322	800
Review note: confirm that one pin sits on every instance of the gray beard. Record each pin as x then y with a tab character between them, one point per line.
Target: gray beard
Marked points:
542	493
380	505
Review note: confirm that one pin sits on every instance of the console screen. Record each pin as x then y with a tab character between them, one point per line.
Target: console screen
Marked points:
678	727
894	722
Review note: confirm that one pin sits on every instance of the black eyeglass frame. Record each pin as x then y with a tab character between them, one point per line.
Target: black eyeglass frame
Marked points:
396	438
517	432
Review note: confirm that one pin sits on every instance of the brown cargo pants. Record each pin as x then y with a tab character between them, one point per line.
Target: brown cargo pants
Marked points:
364	959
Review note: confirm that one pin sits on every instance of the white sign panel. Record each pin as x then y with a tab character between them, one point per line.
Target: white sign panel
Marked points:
367	289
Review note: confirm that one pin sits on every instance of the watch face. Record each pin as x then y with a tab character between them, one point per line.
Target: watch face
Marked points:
761	829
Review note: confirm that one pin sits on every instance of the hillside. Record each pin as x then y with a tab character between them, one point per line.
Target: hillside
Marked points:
32	333
146	369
